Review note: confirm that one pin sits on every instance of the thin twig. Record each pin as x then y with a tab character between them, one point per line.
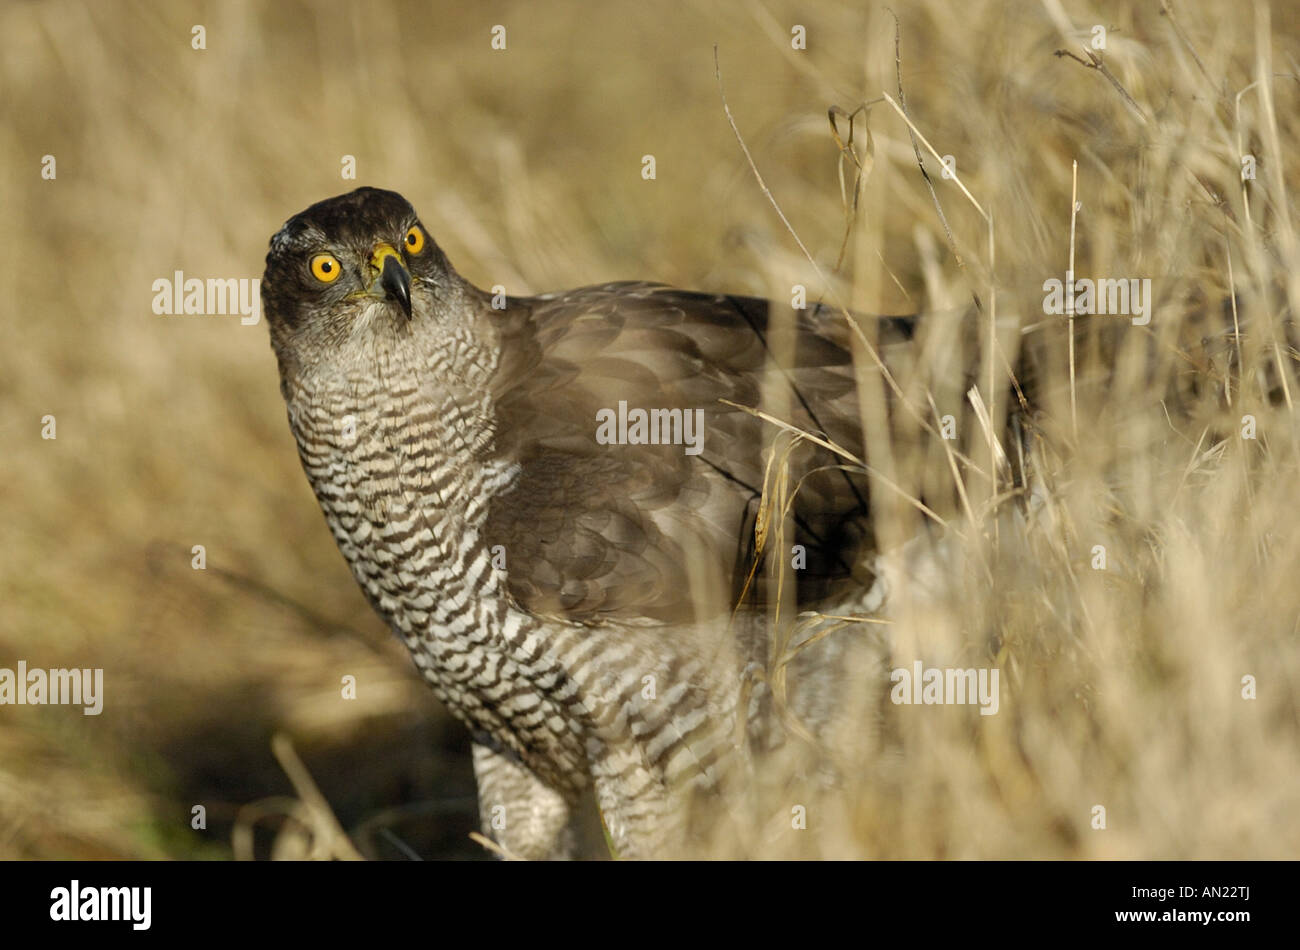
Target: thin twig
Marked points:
937	157
859	176
1095	62
1236	324
340	845
902	99
1167	9
767	192
844	453
490	845
1069	289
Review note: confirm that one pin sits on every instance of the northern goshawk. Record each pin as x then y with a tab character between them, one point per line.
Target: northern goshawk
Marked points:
552	500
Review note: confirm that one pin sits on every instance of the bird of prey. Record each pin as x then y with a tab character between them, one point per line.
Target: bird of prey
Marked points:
557	503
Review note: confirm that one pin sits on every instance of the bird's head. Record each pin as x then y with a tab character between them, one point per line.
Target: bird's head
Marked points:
357	263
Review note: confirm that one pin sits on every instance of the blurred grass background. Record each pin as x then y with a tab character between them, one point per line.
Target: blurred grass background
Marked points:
1121	688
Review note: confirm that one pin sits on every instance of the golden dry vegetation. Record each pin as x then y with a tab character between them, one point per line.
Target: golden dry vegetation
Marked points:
1121	687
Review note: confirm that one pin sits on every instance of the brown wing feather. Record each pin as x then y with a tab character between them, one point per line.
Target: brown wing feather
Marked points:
621	531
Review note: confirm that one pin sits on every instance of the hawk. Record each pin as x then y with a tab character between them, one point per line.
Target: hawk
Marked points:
556	503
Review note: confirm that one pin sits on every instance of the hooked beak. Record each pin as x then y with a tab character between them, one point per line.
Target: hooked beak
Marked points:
394	279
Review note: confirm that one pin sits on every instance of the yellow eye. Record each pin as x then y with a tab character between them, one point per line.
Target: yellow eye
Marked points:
326	268
415	240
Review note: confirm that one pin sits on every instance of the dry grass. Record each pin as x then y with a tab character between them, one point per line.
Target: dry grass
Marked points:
1121	688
